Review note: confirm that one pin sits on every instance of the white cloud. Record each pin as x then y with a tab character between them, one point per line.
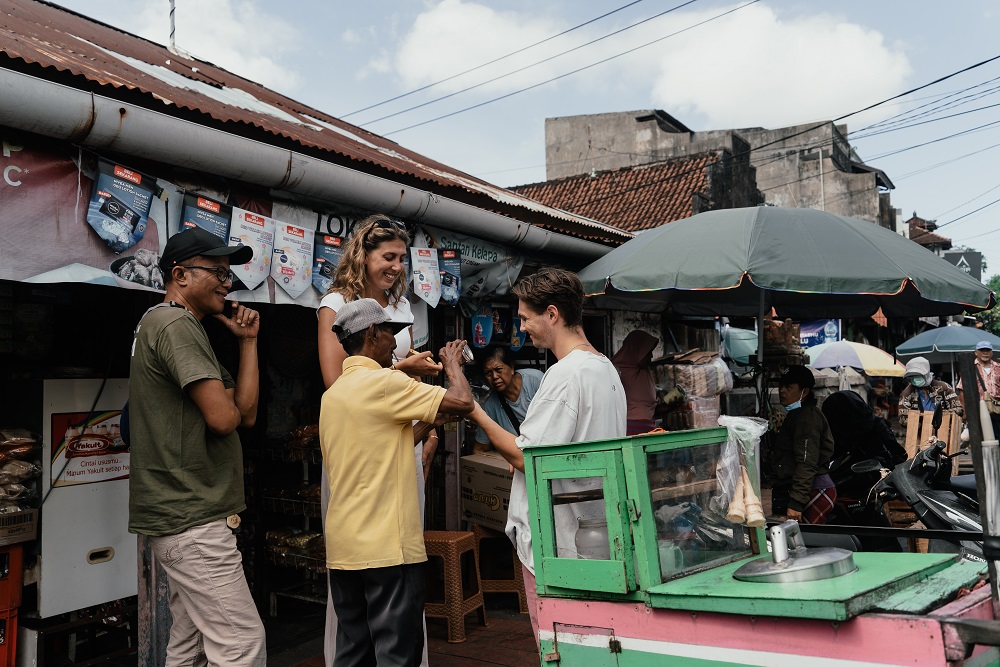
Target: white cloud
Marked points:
350	36
236	35
453	36
753	67
380	63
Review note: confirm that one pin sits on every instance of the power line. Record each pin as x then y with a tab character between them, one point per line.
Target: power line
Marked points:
939	139
495	60
562	76
808	129
968	202
924	122
527	67
943	163
909	114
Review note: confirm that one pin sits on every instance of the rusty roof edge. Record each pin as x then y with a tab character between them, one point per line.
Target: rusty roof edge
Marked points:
37	105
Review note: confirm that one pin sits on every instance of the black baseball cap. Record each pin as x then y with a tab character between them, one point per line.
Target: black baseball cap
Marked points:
797	374
196	242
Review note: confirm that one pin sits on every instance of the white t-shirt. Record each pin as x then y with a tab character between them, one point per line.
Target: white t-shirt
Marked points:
397	313
581	398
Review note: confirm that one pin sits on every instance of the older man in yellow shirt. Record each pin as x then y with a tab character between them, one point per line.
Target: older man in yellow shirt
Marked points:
374	539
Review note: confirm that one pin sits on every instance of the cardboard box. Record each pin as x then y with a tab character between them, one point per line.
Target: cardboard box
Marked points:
485	480
18	527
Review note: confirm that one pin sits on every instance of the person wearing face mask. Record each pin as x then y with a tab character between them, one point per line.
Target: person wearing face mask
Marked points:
923	393
802	490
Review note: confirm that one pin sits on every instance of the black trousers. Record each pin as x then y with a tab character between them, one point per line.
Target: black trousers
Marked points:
379	616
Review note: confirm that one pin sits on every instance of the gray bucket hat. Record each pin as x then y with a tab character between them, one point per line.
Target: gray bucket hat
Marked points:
358	315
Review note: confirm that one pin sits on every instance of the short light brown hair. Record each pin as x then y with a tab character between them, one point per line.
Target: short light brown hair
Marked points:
553	287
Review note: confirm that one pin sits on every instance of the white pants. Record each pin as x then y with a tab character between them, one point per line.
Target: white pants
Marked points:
214	619
330	637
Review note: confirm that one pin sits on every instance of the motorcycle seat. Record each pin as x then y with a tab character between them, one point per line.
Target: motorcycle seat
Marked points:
965	484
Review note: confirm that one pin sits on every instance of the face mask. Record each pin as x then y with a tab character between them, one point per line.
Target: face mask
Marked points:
918	381
793	406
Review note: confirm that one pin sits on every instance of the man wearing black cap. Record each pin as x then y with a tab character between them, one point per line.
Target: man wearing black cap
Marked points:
186	477
803	489
374	539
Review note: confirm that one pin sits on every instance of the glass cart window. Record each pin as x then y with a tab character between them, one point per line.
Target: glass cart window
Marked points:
690	511
580	518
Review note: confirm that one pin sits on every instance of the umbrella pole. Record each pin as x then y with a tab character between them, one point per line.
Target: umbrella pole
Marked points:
761	379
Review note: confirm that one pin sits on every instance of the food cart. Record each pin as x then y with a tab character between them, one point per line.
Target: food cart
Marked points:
671	580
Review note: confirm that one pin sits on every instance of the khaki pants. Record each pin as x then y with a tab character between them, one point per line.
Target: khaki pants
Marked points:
215	621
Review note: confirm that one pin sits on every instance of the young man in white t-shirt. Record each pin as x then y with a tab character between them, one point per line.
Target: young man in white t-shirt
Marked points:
580	398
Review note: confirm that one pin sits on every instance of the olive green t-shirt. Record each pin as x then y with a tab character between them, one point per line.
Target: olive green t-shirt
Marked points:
182	474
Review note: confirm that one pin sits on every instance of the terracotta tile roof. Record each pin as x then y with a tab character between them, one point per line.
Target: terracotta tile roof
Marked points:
630	198
922	232
52	43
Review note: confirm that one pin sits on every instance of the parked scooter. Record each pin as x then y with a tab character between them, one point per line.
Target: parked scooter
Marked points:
939	501
859	435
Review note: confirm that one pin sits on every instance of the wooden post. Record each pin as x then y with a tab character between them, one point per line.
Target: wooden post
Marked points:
154	608
985	468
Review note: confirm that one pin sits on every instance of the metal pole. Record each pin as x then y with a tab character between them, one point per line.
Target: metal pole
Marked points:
986	462
173	45
761	314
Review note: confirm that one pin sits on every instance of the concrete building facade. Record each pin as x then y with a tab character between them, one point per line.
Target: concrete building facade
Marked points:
808	166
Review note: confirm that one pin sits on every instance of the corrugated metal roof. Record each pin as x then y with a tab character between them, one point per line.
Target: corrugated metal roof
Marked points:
51	42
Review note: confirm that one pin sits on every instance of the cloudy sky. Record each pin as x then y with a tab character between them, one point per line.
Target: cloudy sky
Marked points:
711	64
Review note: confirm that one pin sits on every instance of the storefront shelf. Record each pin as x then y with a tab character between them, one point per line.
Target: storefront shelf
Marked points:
297	561
293	506
307	591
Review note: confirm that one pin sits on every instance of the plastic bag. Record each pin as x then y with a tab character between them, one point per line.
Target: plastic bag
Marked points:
743	437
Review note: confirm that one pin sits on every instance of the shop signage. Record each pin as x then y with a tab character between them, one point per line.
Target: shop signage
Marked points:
426	275
119	205
487	268
450	267
88	451
210	215
256	231
328	252
815	332
47	236
291	266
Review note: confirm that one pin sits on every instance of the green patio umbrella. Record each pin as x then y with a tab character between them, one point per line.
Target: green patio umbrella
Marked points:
941	344
805	263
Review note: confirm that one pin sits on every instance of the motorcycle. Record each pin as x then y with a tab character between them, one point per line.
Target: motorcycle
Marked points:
940	501
859	436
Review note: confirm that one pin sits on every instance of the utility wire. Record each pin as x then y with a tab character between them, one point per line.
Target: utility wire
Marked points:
939	139
527	67
812	128
965	215
923	122
495	60
943	163
909	113
562	76
955	208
